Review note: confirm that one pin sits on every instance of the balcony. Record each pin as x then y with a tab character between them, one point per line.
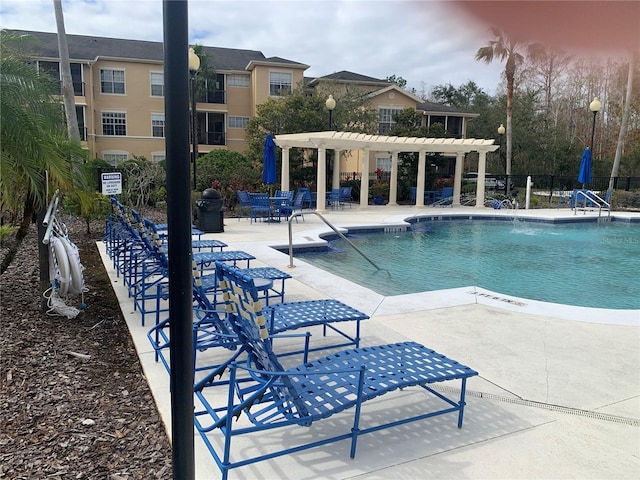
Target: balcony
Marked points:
213	96
212	138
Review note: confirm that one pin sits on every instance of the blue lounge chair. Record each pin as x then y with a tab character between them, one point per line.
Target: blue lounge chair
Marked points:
270	396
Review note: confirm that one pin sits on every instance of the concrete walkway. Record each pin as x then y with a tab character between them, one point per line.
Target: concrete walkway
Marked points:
558	394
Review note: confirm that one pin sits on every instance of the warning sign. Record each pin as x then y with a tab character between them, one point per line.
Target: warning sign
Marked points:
111	183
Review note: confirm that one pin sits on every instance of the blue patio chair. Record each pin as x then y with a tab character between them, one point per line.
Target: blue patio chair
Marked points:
296	207
260	206
244	204
270	396
334	201
309	197
345	195
564	200
444	197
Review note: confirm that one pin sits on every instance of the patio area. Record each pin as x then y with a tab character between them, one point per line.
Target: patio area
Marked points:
558	395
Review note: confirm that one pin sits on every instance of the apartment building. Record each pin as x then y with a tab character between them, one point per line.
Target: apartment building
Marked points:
119	95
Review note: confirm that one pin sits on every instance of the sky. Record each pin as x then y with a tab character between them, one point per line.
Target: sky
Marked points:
425	42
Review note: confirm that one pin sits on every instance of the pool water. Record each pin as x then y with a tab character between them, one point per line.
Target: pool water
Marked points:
586	264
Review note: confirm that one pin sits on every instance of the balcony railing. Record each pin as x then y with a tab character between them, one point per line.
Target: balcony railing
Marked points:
215	96
212	138
78	88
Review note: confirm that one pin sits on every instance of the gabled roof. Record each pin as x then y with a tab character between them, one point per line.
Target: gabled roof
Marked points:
395	88
86	49
349	77
276	61
359	141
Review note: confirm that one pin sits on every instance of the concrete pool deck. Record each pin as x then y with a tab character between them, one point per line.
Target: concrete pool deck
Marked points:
558	395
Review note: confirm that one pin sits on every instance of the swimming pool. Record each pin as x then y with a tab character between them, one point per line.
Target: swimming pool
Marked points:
586	264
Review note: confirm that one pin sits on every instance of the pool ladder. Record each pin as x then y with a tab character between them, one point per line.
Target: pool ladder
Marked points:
590	197
299	214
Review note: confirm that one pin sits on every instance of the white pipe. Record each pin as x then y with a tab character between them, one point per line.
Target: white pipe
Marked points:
52	206
528	196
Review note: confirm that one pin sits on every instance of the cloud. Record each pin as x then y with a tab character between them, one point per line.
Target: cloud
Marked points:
420	41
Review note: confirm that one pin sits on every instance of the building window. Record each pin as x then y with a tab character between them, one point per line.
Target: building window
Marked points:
53	69
280	83
383	163
114	123
238	80
386	120
157	124
157	84
80	114
238	122
111	81
115	158
158	157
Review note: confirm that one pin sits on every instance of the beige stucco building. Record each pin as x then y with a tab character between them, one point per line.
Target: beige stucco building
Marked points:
119	87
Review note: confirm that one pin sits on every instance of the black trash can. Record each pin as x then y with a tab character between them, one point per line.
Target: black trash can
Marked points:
210	215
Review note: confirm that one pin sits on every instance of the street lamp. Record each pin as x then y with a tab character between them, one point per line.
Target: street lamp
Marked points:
194	65
330	104
595	107
501	131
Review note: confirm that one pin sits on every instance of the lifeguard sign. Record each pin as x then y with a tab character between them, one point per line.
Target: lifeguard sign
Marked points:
111	183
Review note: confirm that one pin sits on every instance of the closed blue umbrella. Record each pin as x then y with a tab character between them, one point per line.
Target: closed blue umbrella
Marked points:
584	175
269	161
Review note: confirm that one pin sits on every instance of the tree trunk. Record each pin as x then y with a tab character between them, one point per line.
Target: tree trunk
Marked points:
623	123
510	74
65	70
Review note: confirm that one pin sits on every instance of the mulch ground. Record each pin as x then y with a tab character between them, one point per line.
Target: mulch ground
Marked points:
64	415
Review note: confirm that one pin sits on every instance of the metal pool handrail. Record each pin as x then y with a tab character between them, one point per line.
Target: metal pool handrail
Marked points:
299	214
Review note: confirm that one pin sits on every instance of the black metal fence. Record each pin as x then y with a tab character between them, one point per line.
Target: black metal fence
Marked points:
560	182
540	182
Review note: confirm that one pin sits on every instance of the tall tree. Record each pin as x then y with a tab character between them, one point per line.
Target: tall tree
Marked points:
623	124
504	49
68	95
398	80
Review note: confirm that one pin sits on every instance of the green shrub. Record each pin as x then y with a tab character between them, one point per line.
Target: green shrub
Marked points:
623	200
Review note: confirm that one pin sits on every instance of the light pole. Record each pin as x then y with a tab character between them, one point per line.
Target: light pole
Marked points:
331	105
501	131
595	107
194	65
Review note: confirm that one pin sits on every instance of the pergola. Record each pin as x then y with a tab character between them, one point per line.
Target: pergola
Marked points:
339	141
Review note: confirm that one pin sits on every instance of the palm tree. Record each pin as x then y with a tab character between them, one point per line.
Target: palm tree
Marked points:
34	147
504	48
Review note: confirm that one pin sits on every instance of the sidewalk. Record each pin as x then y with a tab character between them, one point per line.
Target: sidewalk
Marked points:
556	397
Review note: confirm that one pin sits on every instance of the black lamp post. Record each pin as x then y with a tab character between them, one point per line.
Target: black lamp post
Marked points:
331	105
595	107
501	131
194	65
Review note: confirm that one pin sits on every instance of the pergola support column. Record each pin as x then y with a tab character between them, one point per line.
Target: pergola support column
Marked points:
321	189
285	168
364	179
335	179
482	169
420	180
457	179
393	180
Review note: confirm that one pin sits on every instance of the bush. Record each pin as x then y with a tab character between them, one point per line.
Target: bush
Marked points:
623	200
227	172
